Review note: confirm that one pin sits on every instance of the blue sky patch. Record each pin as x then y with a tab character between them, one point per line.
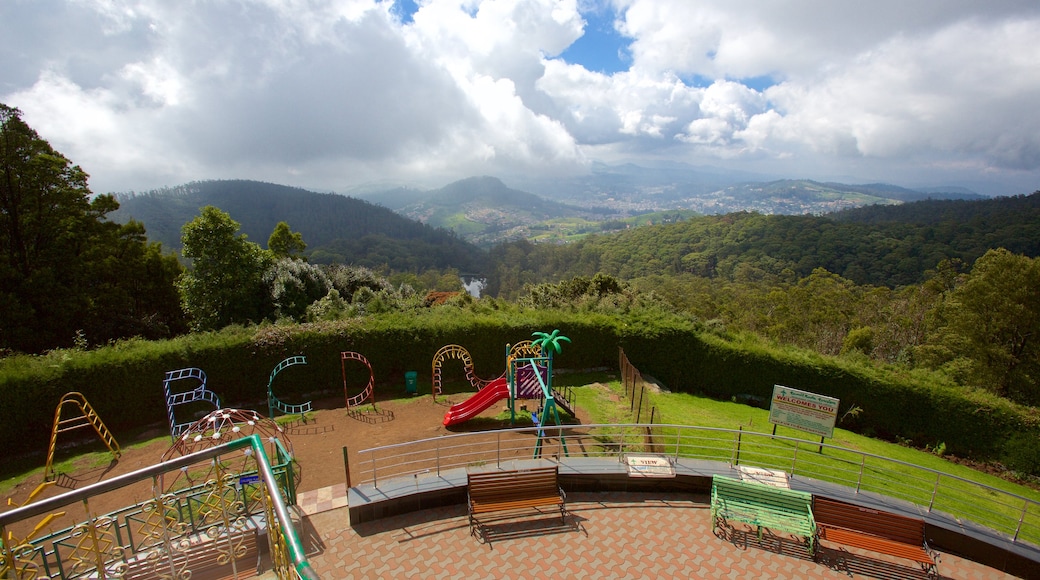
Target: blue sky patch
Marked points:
601	49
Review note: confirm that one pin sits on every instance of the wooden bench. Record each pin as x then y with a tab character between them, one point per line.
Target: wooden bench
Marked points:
207	559
874	530
509	492
763	506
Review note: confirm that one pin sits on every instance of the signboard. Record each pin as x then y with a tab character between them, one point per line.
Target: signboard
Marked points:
649	466
773	477
247	479
803	410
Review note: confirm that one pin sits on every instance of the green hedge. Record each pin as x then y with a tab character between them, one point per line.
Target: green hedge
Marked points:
124	382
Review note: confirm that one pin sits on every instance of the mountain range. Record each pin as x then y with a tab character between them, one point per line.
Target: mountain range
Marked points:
410	229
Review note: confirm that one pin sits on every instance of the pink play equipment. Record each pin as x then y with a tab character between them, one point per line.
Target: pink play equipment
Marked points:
355	403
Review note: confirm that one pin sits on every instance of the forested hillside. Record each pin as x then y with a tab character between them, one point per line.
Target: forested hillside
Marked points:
887	246
336	229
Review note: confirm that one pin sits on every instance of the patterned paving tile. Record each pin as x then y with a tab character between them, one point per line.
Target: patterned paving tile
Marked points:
608	535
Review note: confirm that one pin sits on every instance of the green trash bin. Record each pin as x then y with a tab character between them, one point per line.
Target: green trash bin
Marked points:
410	380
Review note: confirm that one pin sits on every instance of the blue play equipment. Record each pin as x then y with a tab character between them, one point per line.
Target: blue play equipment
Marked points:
273	404
199	393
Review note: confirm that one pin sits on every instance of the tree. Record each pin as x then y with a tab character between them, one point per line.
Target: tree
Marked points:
64	269
991	325
295	285
285	243
225	284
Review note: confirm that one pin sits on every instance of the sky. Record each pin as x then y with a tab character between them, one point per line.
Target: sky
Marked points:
332	95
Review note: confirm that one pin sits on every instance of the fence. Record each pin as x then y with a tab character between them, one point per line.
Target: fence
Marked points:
212	502
1016	516
635	391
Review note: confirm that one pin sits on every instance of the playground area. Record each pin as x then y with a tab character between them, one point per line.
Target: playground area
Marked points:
328	438
317	445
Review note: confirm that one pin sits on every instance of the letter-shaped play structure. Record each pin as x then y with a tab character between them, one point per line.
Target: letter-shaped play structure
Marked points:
199	393
86	418
367	394
454	351
273	404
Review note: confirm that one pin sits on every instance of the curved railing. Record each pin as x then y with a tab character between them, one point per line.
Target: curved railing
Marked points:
1011	514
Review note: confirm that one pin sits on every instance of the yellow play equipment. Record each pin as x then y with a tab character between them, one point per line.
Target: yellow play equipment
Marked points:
86	418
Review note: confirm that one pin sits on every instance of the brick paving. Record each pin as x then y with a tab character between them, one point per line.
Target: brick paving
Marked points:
607	535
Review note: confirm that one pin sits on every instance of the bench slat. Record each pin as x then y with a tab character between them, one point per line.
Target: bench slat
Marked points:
763	506
513	491
878	531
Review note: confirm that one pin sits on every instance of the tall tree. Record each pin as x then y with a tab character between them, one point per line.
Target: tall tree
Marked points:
285	243
992	322
225	284
64	269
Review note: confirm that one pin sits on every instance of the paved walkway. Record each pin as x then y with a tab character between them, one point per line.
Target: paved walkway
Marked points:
608	535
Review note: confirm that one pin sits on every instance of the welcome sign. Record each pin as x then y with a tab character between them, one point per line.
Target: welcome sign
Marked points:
803	410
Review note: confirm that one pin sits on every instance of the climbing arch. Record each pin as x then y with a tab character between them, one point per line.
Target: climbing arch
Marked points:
456	352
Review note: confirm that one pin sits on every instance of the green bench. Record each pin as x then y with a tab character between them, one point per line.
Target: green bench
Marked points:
763	506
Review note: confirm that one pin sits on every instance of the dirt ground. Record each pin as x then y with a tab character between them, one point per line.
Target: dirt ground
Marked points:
317	446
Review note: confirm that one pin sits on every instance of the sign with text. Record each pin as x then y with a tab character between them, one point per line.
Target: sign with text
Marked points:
803	410
649	466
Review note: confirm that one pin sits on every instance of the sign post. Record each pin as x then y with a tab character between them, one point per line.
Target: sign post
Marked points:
804	411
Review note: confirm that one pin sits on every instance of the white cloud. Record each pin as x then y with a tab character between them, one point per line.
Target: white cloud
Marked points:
329	93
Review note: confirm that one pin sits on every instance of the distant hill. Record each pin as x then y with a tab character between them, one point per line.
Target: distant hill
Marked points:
889	246
486	211
336	228
482	210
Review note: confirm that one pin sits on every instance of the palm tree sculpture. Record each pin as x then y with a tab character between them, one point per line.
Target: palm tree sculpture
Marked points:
549	343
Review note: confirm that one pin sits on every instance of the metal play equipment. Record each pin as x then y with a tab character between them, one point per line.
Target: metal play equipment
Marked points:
225	425
273	404
199	393
367	394
217	522
518	382
548	344
85	418
454	351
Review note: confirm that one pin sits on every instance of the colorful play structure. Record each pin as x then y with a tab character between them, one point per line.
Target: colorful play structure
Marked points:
86	417
528	376
273	404
456	352
184	397
488	391
355	404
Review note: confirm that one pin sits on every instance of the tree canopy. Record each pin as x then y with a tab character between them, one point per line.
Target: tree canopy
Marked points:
225	283
66	273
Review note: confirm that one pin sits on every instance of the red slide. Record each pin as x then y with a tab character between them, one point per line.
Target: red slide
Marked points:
484	398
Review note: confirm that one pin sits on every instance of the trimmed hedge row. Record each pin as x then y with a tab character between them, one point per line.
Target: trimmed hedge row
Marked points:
124	382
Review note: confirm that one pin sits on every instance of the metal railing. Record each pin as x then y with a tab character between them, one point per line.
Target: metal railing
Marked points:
205	500
1011	514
